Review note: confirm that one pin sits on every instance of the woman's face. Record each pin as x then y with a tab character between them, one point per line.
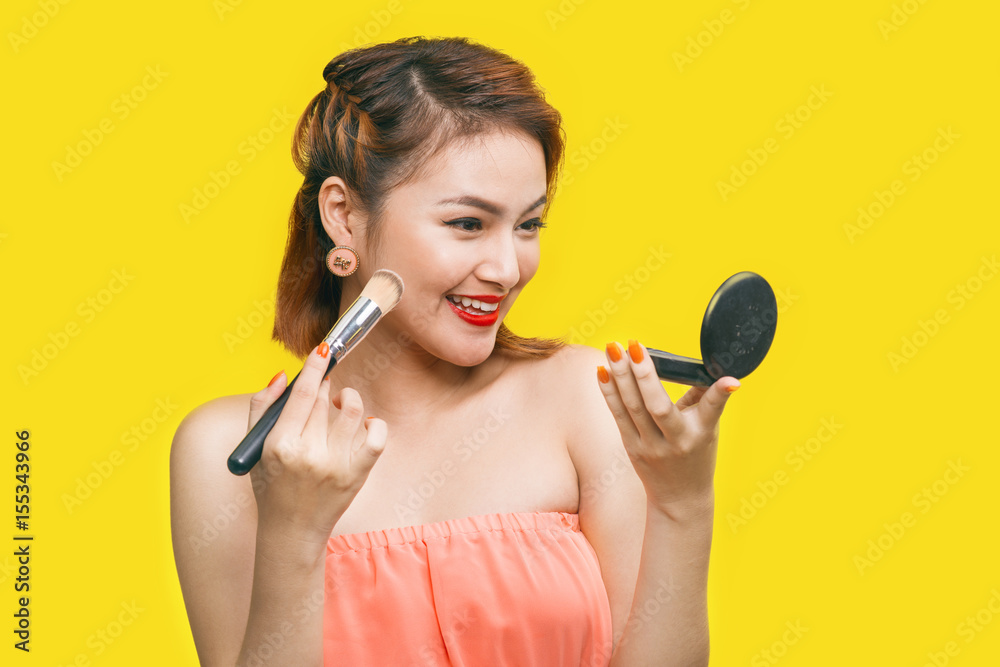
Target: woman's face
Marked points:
467	225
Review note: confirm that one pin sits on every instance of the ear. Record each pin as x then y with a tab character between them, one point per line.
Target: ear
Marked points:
339	218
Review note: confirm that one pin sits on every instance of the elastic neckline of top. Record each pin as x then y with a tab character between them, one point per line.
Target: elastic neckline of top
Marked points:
478	523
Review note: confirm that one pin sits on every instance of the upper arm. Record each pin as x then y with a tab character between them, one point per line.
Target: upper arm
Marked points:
213	519
612	498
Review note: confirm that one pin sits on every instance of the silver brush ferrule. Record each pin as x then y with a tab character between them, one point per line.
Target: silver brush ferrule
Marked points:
352	326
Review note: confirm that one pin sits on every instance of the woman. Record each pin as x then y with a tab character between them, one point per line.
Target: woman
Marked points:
452	493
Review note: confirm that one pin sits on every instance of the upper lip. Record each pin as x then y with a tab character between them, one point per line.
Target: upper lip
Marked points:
483	298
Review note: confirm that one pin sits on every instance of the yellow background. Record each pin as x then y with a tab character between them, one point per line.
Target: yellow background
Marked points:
661	133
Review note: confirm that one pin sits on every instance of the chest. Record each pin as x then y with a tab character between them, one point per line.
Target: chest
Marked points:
503	458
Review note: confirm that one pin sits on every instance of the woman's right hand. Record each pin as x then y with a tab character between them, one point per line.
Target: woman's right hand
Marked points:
311	466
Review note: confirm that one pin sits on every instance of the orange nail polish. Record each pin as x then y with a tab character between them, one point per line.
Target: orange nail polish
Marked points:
275	378
324	349
634	351
602	374
614	352
733	388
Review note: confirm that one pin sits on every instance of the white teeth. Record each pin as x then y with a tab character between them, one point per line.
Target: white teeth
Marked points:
469	304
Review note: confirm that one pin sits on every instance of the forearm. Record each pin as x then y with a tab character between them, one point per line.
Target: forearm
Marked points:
285	624
668	622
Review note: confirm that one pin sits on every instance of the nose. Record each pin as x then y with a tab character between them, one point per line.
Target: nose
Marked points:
500	262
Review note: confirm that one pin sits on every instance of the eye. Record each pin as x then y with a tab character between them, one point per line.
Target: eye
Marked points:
536	223
461	222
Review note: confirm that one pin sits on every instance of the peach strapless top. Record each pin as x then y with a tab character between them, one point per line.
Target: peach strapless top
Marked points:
512	589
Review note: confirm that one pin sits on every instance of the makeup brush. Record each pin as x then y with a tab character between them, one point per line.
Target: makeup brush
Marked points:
380	295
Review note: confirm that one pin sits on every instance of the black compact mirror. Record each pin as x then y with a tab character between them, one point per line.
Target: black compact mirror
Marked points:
736	334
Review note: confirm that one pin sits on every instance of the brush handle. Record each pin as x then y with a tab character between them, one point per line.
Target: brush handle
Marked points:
682	370
247	453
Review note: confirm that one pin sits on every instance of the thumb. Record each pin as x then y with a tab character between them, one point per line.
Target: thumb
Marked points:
712	403
368	452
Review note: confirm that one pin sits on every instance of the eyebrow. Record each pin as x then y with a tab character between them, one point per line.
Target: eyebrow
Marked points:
489	207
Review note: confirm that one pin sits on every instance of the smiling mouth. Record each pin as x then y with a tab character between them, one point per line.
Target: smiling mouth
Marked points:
473	306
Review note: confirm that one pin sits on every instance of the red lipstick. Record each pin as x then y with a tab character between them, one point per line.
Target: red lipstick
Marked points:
483	320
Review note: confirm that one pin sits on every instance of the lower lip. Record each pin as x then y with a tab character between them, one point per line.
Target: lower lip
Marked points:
486	320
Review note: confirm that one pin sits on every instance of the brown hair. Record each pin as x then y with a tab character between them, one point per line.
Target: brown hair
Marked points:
385	109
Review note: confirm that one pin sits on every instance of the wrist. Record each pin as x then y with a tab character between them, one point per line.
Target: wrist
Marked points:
293	546
696	508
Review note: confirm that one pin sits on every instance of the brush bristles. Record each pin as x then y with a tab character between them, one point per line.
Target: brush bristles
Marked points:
385	288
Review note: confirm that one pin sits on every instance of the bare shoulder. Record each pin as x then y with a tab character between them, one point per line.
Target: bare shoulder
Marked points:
213	520
566	383
569	378
567	368
201	486
593	438
202	443
224	415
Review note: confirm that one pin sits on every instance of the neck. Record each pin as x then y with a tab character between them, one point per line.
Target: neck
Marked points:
399	380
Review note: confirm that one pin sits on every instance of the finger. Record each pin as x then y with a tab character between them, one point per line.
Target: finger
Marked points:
262	400
296	411
711	404
342	432
665	414
658	405
631	395
368	452
316	426
614	400
691	397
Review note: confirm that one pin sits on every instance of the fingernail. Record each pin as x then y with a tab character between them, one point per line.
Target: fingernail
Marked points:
602	374
634	351
368	419
275	378
733	388
324	349
614	352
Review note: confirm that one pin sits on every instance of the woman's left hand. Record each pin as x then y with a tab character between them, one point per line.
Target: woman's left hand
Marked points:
672	446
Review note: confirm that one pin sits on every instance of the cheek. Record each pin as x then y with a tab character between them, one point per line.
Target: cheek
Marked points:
528	260
425	264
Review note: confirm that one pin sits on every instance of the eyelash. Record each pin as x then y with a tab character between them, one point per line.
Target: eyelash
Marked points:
536	223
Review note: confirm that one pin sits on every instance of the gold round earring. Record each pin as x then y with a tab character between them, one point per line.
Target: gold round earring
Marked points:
342	260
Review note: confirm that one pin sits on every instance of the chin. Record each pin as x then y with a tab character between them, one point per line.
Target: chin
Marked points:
471	353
